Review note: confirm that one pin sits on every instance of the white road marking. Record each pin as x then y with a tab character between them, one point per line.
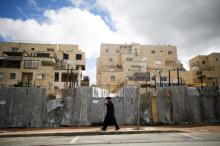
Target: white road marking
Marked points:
188	135
74	140
204	130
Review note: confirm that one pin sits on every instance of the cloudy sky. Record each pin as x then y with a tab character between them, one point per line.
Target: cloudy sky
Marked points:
192	25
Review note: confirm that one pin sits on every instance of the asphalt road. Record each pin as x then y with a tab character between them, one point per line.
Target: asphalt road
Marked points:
156	139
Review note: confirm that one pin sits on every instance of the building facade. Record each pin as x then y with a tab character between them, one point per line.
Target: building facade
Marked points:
53	66
206	69
136	64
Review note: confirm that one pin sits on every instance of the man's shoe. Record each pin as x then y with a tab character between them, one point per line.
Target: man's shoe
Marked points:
117	128
103	129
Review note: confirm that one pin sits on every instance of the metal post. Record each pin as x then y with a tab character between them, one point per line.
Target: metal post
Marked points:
160	78
201	79
178	78
169	78
155	81
138	108
67	75
146	86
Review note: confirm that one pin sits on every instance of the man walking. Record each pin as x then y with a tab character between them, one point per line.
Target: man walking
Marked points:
110	115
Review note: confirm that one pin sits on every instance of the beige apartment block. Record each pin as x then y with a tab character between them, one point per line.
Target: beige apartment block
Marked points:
206	69
136	64
53	66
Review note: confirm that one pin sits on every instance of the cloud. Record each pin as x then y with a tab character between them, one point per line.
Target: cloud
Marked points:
192	25
77	3
66	25
32	2
21	11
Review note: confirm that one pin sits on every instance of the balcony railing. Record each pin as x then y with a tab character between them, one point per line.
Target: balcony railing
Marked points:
13	57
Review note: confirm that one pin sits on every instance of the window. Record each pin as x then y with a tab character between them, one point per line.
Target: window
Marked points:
106	50
153	78
169	52
64	77
78	56
71	77
135	68
56	77
41	76
80	66
129	78
65	56
117	51
113	78
32	48
31	64
216	59
12	75
143	85
43	55
163	78
203	62
2	64
10	63
153	52
50	49
128	59
110	60
1	75
161	51
142	78
14	48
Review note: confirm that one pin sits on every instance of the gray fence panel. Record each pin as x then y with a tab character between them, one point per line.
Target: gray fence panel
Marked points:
98	110
217	105
193	102
3	108
23	107
118	106
209	104
164	106
68	109
84	96
71	106
179	96
130	105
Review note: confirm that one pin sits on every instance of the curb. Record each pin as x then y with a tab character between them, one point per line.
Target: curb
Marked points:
89	133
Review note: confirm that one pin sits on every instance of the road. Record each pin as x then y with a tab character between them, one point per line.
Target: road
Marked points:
156	139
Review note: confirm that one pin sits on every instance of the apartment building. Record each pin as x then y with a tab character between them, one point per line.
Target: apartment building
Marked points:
136	64
206	69
53	66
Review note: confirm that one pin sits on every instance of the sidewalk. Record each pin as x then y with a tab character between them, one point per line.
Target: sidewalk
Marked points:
80	131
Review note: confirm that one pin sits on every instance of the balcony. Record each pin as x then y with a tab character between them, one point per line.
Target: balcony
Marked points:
12	55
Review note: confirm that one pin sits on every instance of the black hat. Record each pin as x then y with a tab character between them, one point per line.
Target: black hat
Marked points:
109	98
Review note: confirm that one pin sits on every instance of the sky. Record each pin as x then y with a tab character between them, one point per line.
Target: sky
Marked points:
191	25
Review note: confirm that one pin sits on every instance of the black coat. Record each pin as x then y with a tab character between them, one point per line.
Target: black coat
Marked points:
110	114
